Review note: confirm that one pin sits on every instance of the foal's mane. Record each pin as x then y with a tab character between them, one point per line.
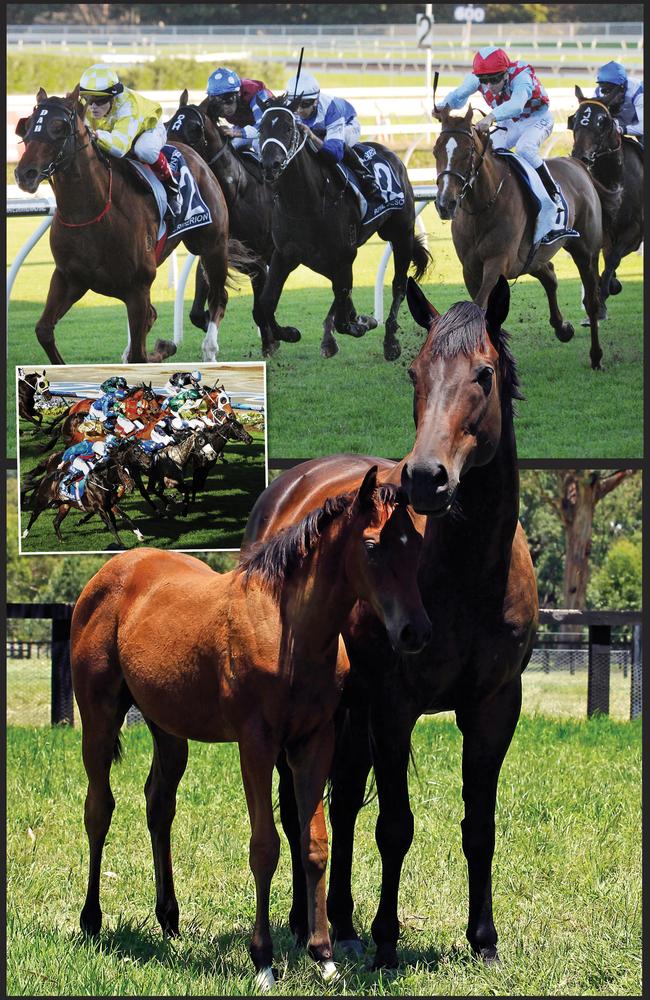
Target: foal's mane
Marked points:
275	560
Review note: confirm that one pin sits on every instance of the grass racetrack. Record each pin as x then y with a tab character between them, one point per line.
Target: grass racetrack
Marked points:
567	873
356	401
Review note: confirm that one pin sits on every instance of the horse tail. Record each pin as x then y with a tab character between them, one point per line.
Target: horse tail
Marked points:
420	256
118	751
242	259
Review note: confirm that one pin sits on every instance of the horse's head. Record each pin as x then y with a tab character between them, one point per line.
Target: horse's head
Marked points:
202	445
458	153
463	378
279	137
190	125
594	129
381	562
237	431
53	134
42	383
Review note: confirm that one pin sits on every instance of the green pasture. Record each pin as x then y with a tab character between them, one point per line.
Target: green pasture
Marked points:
356	401
216	521
566	877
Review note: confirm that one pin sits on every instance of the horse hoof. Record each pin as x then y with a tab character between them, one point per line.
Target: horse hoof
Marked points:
270	349
288	333
329	972
489	956
385	957
352	947
392	351
329	352
265	979
90	923
565	333
162	349
615	287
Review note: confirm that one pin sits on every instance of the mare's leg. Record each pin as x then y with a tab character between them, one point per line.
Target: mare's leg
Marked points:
142	316
279	270
487	729
350	771
587	265
60	297
310	763
215	265
102	714
545	274
199	316
167	769
257	757
268	329
291	825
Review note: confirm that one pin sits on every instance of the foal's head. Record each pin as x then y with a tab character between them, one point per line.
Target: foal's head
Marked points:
53	134
377	562
464	381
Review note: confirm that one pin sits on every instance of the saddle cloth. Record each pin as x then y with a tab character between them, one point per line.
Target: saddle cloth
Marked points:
391	188
539	198
194	213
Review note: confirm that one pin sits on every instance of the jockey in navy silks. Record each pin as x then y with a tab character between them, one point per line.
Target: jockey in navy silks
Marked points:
520	105
624	98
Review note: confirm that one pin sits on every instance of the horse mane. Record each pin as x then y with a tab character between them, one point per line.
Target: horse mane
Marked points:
275	560
462	331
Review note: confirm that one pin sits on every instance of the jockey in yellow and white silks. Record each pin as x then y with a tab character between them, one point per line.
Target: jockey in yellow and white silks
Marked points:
124	121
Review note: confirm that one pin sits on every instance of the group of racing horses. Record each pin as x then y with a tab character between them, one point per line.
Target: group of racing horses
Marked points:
182	461
291	209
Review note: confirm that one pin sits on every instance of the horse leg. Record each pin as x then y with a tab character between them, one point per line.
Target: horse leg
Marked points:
545	274
270	342
257	759
487	730
129	523
199	316
298	921
402	258
328	345
61	513
279	270
108	517
587	265
167	768
61	296
215	266
141	318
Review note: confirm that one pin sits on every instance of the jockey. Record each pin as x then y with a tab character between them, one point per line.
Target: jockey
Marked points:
81	459
238	101
333	126
189	408
520	106
106	405
124	121
624	98
181	380
162	434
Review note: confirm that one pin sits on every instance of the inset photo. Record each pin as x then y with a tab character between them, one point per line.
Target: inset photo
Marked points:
117	456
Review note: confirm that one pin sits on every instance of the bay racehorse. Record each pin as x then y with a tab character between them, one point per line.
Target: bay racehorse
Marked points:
258	661
249	203
617	163
478	587
492	225
317	222
141	403
104	233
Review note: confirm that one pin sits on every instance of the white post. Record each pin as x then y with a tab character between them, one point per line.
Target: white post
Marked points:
22	253
172	271
178	302
428	9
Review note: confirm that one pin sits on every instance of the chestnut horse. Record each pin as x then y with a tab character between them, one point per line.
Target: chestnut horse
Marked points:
141	403
104	233
617	163
478	587
258	660
492	224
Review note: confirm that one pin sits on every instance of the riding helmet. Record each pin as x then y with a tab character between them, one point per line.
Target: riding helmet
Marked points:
305	85
612	72
100	80
223	81
490	60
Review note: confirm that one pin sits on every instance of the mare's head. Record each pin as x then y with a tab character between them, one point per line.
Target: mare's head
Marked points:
464	380
458	152
190	124
594	129
379	561
53	134
279	136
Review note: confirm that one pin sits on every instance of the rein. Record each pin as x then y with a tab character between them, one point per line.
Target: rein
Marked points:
98	218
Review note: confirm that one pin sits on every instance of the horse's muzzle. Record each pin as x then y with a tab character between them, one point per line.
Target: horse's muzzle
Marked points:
414	636
27	179
428	488
446	209
271	172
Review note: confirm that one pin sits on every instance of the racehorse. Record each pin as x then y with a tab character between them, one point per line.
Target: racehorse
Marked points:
140	403
105	484
492	226
169	464
28	387
104	233
617	163
249	203
478	587
229	429
316	221
258	661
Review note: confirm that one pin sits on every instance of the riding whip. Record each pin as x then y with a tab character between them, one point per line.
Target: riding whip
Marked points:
302	52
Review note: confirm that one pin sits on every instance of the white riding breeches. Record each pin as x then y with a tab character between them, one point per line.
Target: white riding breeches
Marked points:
148	145
526	136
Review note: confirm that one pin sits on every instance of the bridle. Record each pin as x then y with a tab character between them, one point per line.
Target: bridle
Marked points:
298	140
195	114
475	165
585	121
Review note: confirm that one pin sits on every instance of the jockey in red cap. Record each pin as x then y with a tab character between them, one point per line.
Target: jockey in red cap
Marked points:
520	106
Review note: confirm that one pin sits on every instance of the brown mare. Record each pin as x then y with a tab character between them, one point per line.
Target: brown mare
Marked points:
103	235
492	224
616	162
478	587
257	660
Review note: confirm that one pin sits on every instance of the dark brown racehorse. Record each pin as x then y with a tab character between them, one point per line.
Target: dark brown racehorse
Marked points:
104	233
492	224
617	163
478	587
141	403
258	661
317	222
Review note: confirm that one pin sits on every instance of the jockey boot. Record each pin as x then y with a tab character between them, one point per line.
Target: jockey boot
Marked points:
364	174
561	227
163	172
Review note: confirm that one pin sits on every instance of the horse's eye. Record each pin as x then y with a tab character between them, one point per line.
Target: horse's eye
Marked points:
371	546
484	379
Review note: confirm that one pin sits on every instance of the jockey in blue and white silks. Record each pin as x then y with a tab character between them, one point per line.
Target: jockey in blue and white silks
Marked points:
333	126
520	105
624	98
81	458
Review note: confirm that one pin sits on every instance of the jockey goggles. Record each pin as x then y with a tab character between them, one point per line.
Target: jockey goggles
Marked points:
492	78
307	102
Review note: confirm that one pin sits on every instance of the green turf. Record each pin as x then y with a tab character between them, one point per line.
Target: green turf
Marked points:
356	401
566	875
216	521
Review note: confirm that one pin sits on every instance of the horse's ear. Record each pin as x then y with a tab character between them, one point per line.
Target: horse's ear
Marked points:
183	99
363	499
41	96
497	308
570	122
578	93
21	127
73	96
469	114
421	309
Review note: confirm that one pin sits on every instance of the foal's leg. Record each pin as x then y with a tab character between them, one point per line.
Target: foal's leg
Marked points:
545	274
487	730
167	769
298	921
257	758
60	297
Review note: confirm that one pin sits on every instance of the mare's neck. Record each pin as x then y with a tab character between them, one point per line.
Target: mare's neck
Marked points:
483	192
608	167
